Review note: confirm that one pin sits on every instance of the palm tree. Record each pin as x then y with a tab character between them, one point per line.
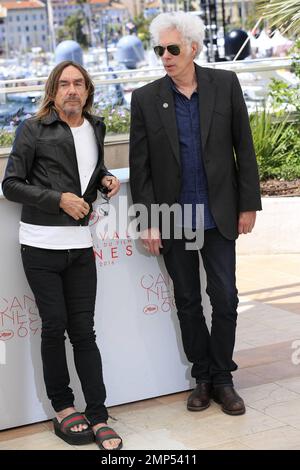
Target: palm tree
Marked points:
87	17
282	13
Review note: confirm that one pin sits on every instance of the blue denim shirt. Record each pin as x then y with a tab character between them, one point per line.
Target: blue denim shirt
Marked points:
194	189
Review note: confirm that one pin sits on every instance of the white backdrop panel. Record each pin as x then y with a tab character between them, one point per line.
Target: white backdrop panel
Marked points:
135	320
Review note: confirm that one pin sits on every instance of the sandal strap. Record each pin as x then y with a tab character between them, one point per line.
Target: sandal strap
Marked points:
105	433
73	419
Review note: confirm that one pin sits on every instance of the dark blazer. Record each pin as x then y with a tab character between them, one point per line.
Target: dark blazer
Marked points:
227	147
42	165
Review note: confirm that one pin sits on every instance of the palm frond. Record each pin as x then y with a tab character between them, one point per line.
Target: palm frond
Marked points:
284	14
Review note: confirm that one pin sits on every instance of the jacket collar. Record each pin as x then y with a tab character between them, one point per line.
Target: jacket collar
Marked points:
166	108
53	117
207	97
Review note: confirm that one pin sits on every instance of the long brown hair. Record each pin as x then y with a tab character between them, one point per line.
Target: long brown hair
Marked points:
51	87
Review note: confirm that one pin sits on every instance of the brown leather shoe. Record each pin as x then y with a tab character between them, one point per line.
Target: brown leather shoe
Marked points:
231	402
199	399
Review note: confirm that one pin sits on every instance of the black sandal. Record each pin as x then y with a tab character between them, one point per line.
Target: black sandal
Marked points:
63	430
105	434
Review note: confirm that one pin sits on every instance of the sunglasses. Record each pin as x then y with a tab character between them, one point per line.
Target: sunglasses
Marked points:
173	49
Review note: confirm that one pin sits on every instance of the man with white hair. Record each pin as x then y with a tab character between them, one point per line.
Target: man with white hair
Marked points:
191	143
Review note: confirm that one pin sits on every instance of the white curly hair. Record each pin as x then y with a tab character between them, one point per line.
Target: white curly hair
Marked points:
190	26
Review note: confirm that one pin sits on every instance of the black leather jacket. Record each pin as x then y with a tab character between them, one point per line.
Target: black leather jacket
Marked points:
43	164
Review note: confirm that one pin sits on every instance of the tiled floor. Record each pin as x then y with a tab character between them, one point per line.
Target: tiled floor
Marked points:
268	380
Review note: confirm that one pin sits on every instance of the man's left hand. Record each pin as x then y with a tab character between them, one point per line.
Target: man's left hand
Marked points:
246	222
112	184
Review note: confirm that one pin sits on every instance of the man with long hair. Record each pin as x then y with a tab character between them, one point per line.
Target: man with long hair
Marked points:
55	169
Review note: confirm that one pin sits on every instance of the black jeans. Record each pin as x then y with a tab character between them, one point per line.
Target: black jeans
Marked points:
210	353
64	285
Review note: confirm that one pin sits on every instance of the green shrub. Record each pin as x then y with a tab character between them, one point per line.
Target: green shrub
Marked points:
117	120
277	146
283	96
6	138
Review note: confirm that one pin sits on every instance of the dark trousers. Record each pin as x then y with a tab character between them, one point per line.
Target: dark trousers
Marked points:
210	353
64	285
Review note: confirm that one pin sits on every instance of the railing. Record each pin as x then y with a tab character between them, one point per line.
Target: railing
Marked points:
254	76
148	74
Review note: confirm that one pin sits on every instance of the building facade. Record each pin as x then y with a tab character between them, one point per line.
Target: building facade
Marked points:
23	26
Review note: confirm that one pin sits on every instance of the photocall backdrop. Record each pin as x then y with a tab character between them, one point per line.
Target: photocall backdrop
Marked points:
135	321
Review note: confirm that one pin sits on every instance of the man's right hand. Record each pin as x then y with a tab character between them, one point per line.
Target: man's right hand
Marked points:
151	240
74	206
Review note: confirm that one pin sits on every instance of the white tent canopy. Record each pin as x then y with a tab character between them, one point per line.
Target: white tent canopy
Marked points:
276	45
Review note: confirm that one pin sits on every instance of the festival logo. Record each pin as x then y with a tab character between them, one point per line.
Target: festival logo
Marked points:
19	317
109	227
150	309
109	250
94	217
159	293
6	334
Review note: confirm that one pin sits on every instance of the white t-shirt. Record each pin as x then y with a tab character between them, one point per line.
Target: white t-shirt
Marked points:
69	237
